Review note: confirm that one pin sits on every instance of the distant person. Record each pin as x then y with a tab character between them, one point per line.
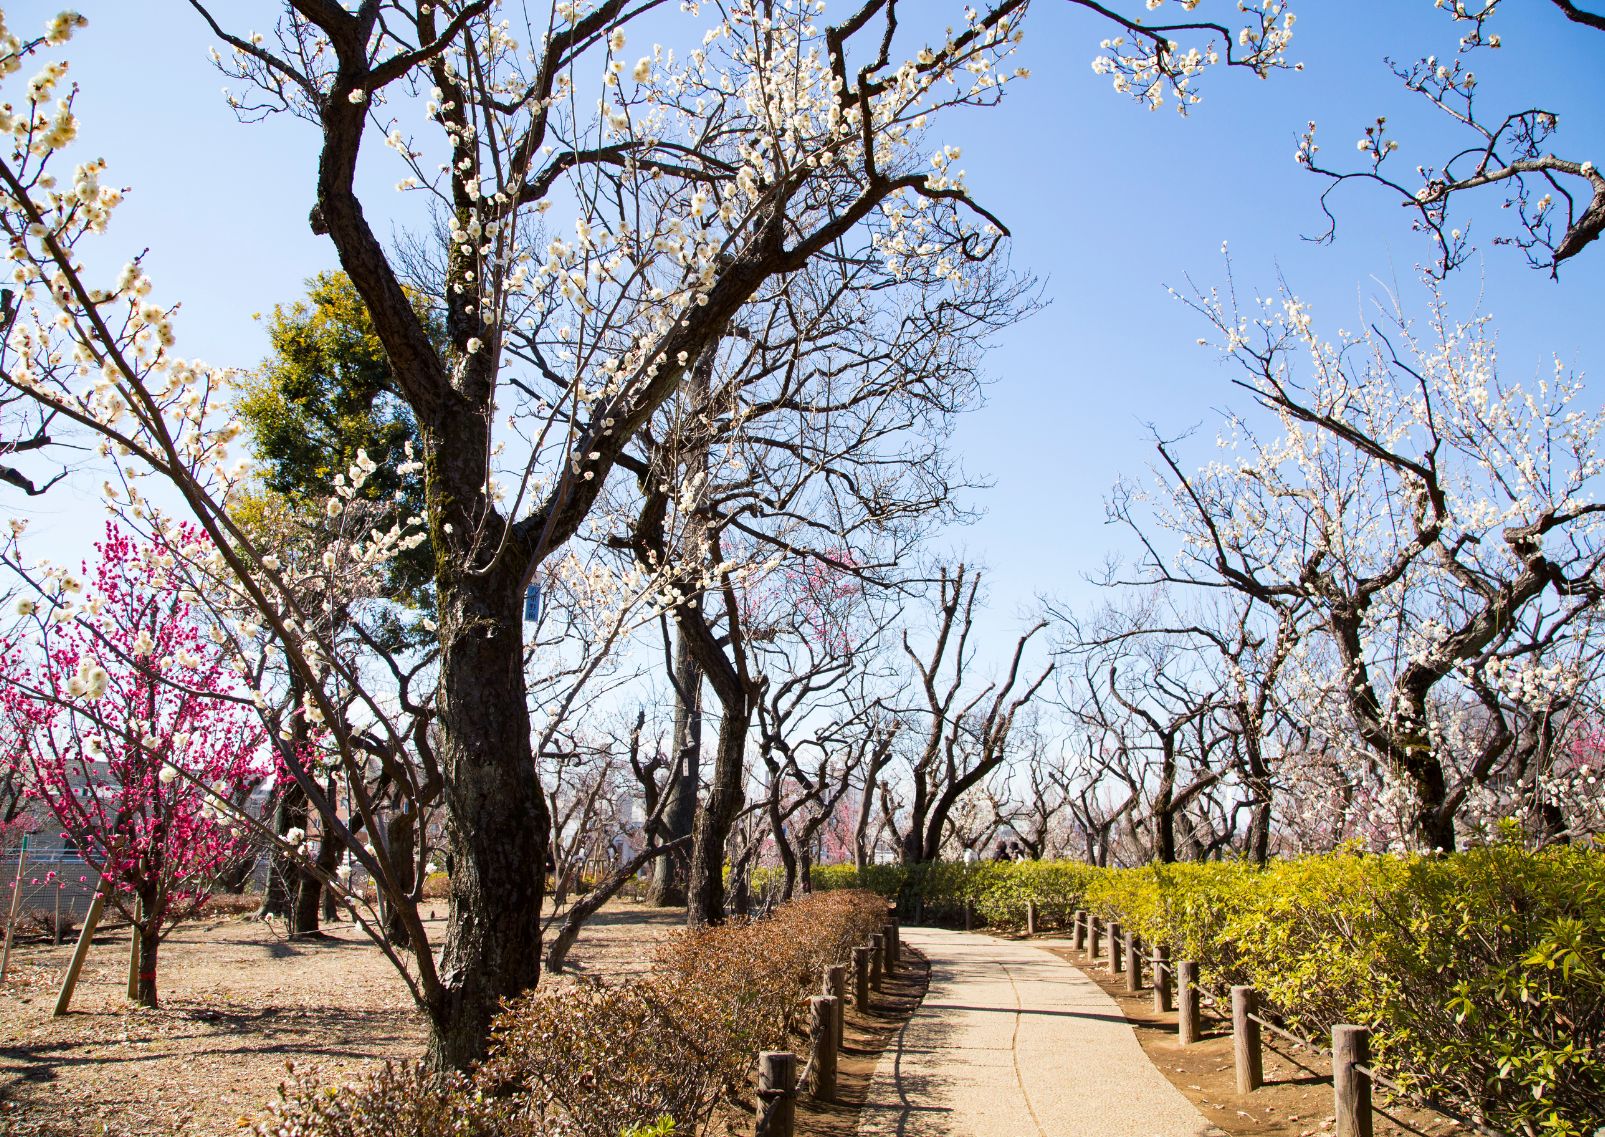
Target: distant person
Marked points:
1002	852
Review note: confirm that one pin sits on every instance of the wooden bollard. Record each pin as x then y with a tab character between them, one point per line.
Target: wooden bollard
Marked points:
1094	935
1117	960
861	978
823	1011
1246	1053
877	953
1078	933
1030	917
836	987
1133	964
777	1089
1351	1088
896	929
1189	1017
888	950
1160	965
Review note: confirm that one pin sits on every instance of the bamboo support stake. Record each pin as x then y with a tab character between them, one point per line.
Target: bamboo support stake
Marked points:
85	936
133	965
16	907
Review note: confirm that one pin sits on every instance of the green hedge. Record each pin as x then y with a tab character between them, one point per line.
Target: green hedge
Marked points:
1482	974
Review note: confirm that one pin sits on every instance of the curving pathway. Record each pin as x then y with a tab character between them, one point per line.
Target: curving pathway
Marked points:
1012	1041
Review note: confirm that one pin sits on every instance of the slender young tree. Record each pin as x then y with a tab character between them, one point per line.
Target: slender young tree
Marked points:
126	721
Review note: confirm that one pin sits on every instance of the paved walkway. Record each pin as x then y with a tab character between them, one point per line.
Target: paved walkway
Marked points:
1014	1042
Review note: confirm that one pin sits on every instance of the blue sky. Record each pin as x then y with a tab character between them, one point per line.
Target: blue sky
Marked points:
1108	204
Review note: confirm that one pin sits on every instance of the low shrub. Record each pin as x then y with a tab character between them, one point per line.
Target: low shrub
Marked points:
1481	974
647	1057
597	1061
389	1101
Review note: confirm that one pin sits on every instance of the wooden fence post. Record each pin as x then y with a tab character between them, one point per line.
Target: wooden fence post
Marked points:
836	986
895	927
1030	917
1351	1089
1189	1017
861	978
1133	964
1161	969
777	1088
1094	934
1117	961
877	952
822	1014
1078	934
1246	1052
888	950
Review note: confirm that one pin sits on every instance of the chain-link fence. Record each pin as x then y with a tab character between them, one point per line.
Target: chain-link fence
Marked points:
57	888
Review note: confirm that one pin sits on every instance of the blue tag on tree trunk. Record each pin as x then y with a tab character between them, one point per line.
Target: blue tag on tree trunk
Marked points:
532	603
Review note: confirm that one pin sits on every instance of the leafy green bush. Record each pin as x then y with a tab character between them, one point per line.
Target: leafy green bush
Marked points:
1482	974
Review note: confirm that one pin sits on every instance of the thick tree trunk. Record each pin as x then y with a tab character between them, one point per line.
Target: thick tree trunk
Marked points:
306	905
1431	821
1165	809
150	941
1259	829
788	859
401	843
668	889
497	822
284	876
705	901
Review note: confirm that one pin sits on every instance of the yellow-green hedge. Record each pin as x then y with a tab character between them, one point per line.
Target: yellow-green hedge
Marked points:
1482	974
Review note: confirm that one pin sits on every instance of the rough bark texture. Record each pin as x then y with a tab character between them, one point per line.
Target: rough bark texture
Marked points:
401	840
150	941
668	888
706	895
498	824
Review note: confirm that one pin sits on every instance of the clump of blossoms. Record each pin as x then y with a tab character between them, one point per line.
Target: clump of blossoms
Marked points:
127	724
1152	67
1439	521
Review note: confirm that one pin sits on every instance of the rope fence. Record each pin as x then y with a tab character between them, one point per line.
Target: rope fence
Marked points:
1353	1075
780	1082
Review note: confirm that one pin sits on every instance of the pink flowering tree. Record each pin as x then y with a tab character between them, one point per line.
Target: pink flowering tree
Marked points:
128	725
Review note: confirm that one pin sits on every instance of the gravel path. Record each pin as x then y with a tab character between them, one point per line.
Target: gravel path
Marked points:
1013	1042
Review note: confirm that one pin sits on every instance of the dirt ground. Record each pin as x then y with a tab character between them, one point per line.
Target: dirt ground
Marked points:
239	1002
1296	1099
